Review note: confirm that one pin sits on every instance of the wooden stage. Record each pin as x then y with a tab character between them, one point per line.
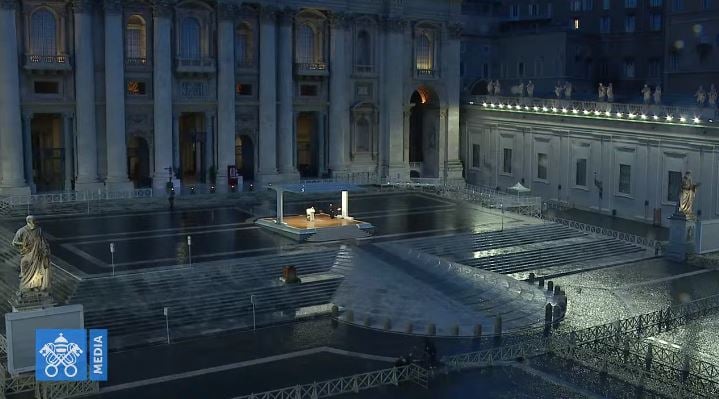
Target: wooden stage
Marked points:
321	220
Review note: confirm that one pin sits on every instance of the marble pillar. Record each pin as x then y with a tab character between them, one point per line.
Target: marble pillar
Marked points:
11	139
162	94
69	146
225	94
339	123
116	179
453	166
398	168
27	149
87	177
285	111
210	160
268	97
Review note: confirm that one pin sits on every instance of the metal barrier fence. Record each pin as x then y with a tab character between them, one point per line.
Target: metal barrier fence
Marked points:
619	235
65	202
351	384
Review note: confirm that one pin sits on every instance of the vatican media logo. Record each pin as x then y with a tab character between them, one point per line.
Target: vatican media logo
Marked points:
63	355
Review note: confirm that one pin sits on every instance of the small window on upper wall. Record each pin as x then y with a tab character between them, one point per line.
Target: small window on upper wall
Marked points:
46	87
243	89
630	3
581	173
475	156
308	90
674	184
507	161
136	88
542	165
625	179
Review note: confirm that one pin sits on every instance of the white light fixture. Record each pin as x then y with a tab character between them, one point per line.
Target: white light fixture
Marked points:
564	110
575	111
554	109
526	107
585	112
501	105
484	104
669	118
492	105
471	103
535	108
608	113
619	114
696	120
644	117
518	106
596	113
544	109
682	119
632	115
656	118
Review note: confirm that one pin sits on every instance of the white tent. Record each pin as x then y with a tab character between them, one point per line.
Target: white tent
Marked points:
519	188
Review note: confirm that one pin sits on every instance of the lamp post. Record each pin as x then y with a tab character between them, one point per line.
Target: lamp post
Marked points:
167	323
189	249
501	208
254	323
112	257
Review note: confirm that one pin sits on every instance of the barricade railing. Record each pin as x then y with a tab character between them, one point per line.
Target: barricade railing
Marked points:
350	384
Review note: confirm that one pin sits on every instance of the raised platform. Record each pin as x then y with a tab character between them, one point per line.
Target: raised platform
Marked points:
299	228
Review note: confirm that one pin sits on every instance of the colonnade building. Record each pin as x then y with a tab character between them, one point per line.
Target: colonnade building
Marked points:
121	94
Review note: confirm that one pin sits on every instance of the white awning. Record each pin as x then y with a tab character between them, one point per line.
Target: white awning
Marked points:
519	188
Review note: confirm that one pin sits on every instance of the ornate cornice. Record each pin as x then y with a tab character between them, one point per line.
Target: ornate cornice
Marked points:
268	13
286	16
163	8
339	20
226	11
454	30
395	24
8	4
82	6
112	6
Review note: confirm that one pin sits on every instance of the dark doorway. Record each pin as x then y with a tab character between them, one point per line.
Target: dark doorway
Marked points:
245	157
192	145
138	162
48	153
308	154
424	128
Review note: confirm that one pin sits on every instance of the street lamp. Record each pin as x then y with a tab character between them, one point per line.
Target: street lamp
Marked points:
112	257
254	323
189	249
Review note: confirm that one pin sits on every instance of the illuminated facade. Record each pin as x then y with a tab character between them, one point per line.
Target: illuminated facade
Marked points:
116	94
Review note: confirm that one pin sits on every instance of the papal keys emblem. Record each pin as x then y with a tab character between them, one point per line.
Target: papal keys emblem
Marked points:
61	353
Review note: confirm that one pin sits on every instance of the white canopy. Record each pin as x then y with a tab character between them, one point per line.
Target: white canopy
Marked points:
519	188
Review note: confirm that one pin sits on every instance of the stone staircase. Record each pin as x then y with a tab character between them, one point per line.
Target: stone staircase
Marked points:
206	297
338	233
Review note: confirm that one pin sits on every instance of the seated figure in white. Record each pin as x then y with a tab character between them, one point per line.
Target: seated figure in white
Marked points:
311	214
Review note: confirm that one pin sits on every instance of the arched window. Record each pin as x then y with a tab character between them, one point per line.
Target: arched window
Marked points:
306	44
243	45
425	52
362	141
135	38
43	34
190	39
364	54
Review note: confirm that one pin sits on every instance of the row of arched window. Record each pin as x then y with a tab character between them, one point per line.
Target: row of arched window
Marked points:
309	49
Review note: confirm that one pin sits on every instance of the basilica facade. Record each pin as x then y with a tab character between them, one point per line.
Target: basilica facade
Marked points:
118	95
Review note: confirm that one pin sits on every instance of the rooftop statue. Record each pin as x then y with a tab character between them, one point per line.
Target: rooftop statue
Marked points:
658	95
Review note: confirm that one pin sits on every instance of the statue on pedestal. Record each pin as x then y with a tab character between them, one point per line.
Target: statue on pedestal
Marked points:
713	96
568	90
658	95
701	96
610	93
530	89
647	94
601	92
497	88
687	194
558	89
35	258
490	87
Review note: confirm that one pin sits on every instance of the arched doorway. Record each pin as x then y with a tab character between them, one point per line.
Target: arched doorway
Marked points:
138	162
479	88
48	152
308	153
192	147
424	132
245	157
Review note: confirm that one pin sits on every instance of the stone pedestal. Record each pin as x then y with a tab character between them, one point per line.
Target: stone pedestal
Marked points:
681	230
31	300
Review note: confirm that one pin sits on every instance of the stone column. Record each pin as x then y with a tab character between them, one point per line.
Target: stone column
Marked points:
339	104
285	113
116	179
69	145
176	161
87	178
453	84
162	93
11	139
268	97
225	93
395	66
27	149
211	162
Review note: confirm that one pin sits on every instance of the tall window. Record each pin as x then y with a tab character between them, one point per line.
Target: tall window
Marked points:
674	183
362	143
588	5
674	62
476	156
655	67
581	173
625	179
575	5
520	69
306	44
630	23
135	38
364	54
655	22
678	5
534	10
507	161
538	67
43	34
542	163
514	11
655	3
706	4
605	24
425	52
190	39
243	45
630	3
606	4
